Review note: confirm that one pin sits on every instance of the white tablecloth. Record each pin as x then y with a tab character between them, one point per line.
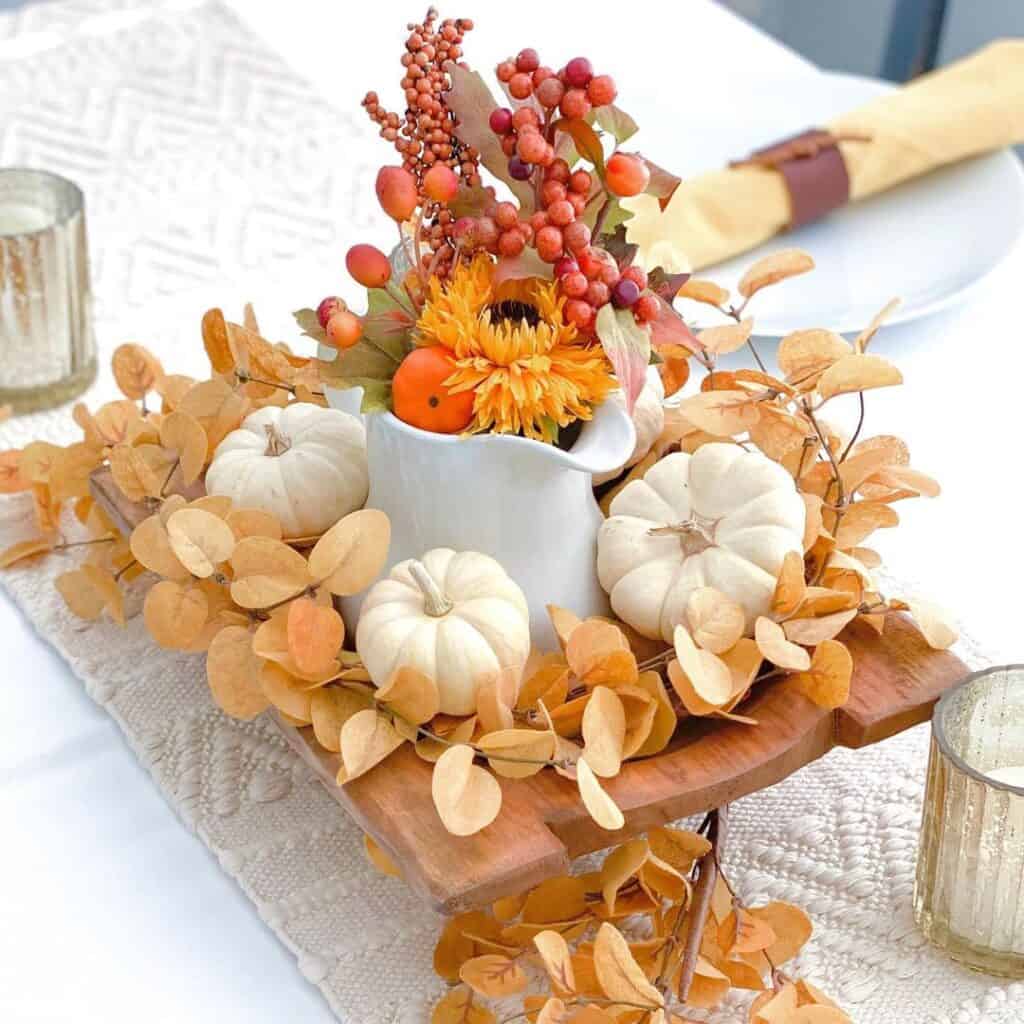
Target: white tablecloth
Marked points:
213	175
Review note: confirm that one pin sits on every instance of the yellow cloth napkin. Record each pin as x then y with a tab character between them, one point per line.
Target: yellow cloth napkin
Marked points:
959	111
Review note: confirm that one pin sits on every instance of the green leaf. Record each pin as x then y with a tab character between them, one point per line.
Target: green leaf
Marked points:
363	359
469	201
307	320
586	141
376	395
627	345
616	122
516	268
471	102
387	326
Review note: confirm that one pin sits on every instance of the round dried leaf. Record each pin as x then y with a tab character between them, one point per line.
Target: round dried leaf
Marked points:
774	267
330	708
716	621
493	976
151	546
135	370
721	413
24	549
315	634
185	435
857	373
233	673
934	622
367	738
665	720
458	1007
351	554
529	744
266	571
727	337
772	643
810	632
792	928
709	677
80	595
600	806
200	539
467	797
554	952
827	681
286	692
618	973
174	615
216	342
254	522
411	695
604	732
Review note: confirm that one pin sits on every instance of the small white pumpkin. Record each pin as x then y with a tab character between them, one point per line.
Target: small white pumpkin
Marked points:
454	616
722	517
303	463
648	419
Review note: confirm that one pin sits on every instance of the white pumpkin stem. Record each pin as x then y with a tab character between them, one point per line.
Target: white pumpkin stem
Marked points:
693	536
435	603
277	443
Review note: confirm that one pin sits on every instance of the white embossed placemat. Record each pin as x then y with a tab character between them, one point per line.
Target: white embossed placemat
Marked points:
214	173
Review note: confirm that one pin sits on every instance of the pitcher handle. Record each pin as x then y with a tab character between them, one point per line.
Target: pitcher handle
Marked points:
604	444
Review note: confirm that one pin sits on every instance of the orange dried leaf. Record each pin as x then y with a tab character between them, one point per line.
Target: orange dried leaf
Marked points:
507	750
467	797
267	571
604	731
135	370
620	976
934	622
857	372
721	413
598	803
827	681
351	554
233	671
411	695
315	635
772	643
493	976
791	586
25	549
775	267
200	540
330	708
708	292
185	436
716	621
726	338
809	632
174	615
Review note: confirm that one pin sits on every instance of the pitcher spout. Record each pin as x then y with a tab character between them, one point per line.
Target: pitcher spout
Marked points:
604	444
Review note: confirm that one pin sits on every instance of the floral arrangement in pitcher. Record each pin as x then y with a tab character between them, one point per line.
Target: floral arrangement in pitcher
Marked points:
514	316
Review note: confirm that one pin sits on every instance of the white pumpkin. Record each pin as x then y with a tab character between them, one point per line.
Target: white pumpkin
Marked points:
648	419
722	517
454	616
303	463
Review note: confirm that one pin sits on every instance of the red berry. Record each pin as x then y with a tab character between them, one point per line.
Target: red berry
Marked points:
561	213
575	104
396	192
601	90
509	143
328	307
520	86
625	293
575	285
531	147
541	74
344	329
549	155
506	69
551	192
519	169
525	228
538	220
548	242
486	232
550	93
609	274
577	236
500	121
647	308
506	216
525	116
637	275
511	243
580	182
578	72
558	171
579	203
590	263
368	266
598	293
565	266
579	312
626	175
440	183
465	230
528	60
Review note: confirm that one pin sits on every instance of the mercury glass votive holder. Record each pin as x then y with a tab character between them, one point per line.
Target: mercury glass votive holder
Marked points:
969	893
47	348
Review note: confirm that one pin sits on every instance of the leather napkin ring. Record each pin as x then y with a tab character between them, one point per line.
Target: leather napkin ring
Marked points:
813	169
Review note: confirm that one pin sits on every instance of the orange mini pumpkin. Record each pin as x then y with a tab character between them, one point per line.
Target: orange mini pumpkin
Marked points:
420	397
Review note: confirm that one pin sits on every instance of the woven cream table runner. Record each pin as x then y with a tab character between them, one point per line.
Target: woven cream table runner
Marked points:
210	166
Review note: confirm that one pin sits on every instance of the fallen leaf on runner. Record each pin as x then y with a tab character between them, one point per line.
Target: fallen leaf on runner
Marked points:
135	370
411	695
25	549
663	725
254	522
934	622
803	356
792	928
467	797
708	292
233	671
351	554
772	643
857	373
604	731
315	635
791	586
367	738
200	540
457	1007
174	615
598	803
726	338
810	632
184	435
716	621
85	600
331	707
771	269
527	744
266	571
493	975
618	972
379	859
557	960
721	413
827	681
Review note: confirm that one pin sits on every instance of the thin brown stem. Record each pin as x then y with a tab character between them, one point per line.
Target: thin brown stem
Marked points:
167	480
856	433
602	216
124	568
66	546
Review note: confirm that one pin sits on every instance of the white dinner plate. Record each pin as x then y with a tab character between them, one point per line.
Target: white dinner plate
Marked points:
926	241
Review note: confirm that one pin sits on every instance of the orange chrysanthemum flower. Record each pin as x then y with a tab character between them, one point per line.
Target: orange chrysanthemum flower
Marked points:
530	372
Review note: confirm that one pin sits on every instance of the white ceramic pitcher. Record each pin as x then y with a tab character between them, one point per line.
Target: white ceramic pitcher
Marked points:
529	505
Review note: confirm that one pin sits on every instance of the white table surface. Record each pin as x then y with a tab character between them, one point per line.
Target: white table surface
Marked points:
112	911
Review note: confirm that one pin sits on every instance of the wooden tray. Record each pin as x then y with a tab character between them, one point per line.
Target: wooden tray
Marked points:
543	825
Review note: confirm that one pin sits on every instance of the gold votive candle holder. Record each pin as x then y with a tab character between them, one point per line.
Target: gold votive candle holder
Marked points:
47	348
969	892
